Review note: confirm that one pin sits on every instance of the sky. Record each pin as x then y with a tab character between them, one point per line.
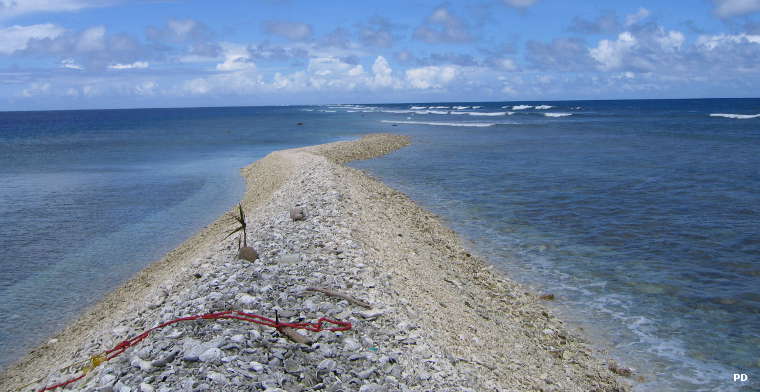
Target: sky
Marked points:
74	54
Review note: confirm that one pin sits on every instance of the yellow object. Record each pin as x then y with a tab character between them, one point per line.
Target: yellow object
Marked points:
95	361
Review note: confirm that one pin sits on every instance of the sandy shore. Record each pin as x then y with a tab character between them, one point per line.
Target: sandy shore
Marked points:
440	318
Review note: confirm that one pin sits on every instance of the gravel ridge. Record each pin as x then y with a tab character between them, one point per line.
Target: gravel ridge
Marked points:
441	319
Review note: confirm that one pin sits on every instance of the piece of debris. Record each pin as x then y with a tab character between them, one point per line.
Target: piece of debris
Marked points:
297	214
347	297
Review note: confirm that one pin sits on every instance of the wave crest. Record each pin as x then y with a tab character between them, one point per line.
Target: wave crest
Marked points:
735	116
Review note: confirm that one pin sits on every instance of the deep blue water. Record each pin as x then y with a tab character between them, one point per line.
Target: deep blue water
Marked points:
641	216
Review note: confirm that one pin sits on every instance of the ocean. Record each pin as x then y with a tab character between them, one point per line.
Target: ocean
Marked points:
641	217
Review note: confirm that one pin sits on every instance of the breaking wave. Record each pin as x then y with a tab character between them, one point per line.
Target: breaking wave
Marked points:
446	124
735	116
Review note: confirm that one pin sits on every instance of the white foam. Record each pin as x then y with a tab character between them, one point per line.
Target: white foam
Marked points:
418	107
438	107
437	112
487	113
477	107
447	124
735	116
543	107
521	107
397	111
461	107
329	111
557	114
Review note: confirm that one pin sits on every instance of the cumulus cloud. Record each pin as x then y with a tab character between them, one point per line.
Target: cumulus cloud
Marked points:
729	8
383	74
610	53
442	26
16	38
431	77
520	3
294	31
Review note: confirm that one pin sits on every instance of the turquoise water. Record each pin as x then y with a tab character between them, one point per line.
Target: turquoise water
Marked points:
88	198
640	216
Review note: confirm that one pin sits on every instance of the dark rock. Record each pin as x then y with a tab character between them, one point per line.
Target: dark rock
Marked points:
248	253
619	370
297	214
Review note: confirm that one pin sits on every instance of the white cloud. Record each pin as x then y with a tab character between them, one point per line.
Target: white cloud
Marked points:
383	74
13	8
610	54
146	88
729	8
92	40
712	42
671	41
36	88
431	77
236	58
640	15
70	64
135	65
235	83
520	3
648	50
332	73
16	38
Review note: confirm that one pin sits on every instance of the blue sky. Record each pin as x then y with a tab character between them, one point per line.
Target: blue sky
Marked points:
59	54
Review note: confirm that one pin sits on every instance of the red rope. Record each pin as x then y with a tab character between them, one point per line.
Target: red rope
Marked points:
229	314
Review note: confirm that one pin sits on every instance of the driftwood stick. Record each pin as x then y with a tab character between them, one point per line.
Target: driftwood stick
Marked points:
333	293
294	335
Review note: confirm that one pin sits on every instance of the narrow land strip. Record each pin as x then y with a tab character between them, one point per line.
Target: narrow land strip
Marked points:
441	320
